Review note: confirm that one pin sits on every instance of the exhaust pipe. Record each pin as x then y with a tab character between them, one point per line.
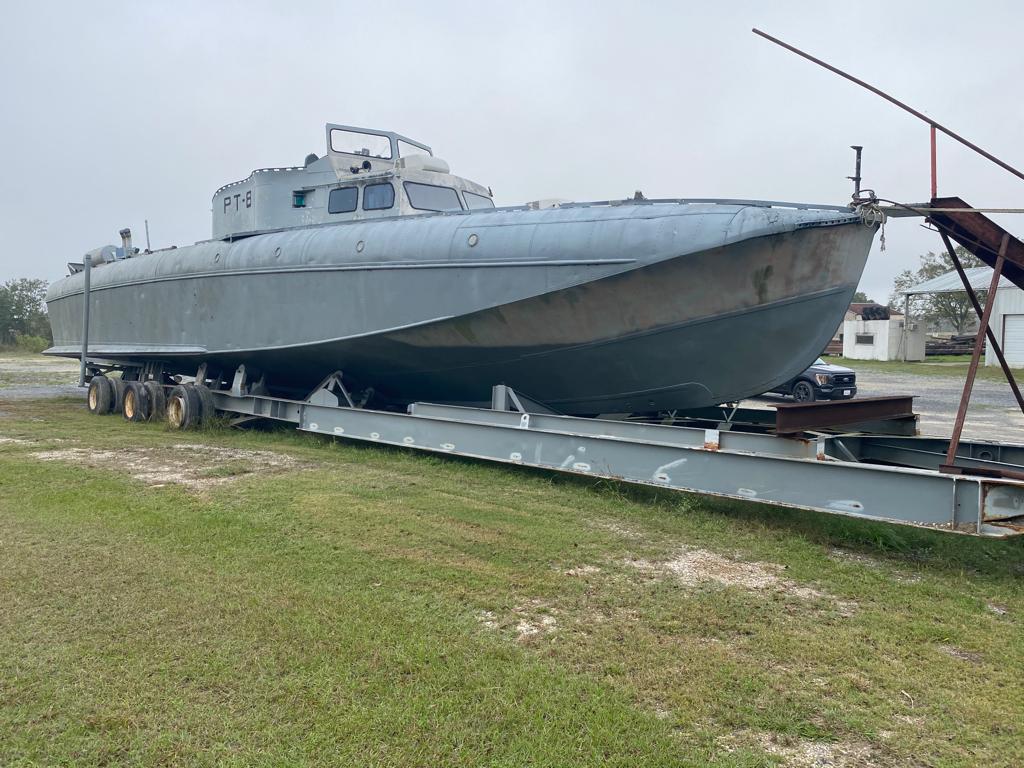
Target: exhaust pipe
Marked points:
126	242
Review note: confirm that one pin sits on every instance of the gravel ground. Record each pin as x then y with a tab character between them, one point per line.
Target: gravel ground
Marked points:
28	377
993	414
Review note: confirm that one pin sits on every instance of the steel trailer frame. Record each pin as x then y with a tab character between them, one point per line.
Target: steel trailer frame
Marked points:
885	478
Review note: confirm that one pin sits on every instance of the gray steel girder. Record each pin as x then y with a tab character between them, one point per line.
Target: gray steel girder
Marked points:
749	467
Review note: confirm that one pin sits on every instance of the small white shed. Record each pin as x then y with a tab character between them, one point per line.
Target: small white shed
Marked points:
882	339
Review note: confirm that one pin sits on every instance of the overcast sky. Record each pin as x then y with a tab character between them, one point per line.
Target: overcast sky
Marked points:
113	113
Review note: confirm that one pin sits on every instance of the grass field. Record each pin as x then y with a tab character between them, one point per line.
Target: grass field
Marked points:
270	598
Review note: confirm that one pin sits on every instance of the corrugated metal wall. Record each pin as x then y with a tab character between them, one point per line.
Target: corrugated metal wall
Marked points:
1008	325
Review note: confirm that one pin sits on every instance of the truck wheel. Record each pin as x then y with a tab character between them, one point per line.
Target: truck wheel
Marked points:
207	410
157	400
183	407
120	385
136	401
101	395
803	392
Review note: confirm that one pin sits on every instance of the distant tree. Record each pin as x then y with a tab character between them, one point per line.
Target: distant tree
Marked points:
22	311
953	308
861	298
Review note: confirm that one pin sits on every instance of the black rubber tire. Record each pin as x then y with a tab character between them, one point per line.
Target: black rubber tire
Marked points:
120	385
136	402
803	392
183	407
157	400
207	409
100	398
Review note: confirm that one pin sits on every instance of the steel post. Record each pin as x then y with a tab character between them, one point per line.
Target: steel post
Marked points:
1011	380
87	268
906	325
972	370
935	180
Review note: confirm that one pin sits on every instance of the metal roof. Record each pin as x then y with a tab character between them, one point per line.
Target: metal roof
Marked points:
979	277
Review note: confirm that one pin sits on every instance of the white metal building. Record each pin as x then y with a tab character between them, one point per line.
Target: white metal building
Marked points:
882	339
1007	321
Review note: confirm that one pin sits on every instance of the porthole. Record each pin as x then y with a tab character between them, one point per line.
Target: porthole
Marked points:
473	240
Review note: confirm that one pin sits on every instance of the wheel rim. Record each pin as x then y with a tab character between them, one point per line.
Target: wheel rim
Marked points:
129	404
800	393
175	410
93	398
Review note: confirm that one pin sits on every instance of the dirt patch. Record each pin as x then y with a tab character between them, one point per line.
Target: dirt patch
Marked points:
534	626
998	610
530	620
197	467
699	566
623	531
488	619
583	571
845	555
14	441
960	653
804	753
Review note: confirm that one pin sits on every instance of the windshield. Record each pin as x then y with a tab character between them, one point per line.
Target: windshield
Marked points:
359	143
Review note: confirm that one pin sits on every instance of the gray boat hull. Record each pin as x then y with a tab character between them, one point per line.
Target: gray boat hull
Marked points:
641	310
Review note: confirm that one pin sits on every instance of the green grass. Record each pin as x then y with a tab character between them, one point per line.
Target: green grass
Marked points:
362	609
947	366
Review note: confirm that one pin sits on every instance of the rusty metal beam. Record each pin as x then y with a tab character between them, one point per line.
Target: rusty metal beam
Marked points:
1010	379
979	235
791	418
972	370
878	92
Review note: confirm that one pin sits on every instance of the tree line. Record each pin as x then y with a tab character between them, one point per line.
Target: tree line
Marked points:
23	320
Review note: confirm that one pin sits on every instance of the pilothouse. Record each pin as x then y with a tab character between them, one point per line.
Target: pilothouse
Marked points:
364	174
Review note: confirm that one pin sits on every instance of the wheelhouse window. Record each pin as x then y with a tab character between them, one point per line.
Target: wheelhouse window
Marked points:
343	200
378	197
428	197
475	201
360	143
405	149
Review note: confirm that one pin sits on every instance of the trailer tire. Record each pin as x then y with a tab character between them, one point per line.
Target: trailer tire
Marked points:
207	408
157	400
136	402
183	407
120	385
100	398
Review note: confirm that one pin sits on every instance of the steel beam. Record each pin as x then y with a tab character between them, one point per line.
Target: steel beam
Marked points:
909	496
972	370
87	268
800	417
770	469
